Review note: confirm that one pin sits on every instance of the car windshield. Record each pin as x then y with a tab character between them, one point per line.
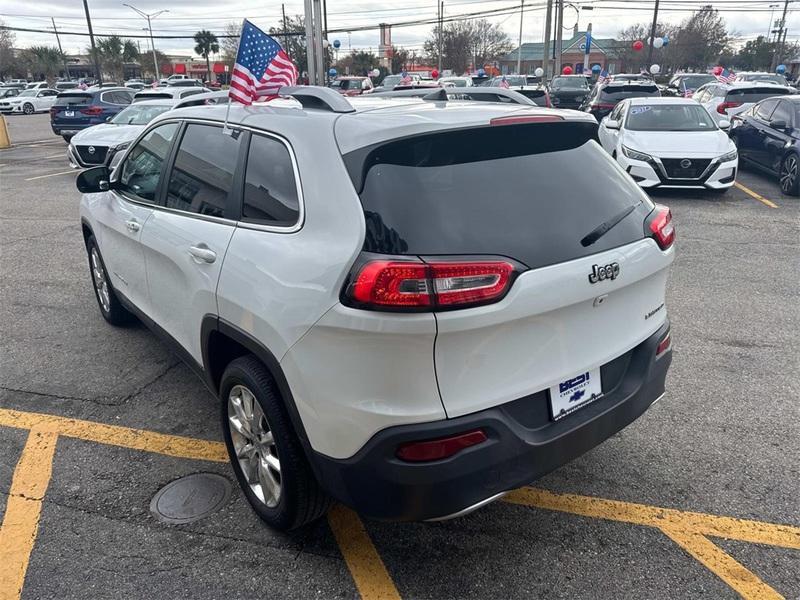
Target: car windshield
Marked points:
140	114
693	81
572	83
29	92
347	84
779	79
455	82
510	79
615	93
391	80
669	117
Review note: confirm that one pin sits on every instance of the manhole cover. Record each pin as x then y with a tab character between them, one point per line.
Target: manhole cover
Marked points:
191	498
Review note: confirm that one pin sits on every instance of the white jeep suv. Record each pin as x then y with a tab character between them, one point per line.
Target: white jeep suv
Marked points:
409	305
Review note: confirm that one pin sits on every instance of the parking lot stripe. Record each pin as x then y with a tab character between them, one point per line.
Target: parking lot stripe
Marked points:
722	564
23	510
753	194
50	175
369	573
136	439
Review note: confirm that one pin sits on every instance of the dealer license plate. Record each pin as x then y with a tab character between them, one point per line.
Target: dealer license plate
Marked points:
69	113
574	393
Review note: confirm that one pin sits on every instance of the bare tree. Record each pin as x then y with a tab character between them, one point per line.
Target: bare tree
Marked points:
230	45
6	53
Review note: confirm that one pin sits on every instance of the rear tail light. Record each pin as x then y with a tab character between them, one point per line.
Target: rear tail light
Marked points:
661	227
53	111
438	449
723	108
664	345
92	111
407	285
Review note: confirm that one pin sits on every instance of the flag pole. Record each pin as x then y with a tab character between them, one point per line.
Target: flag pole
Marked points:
225	129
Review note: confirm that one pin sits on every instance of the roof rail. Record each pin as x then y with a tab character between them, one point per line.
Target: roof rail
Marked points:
476	93
312	96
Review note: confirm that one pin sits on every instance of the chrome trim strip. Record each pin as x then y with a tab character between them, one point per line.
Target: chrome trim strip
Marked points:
469	509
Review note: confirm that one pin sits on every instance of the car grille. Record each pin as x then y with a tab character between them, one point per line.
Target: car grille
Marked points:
98	157
675	170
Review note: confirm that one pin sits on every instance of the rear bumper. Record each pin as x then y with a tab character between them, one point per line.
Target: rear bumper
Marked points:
524	444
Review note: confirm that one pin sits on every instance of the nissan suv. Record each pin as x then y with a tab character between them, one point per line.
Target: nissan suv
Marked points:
409	305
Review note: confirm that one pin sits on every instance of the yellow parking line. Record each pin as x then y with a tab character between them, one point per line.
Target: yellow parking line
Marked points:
23	510
758	197
369	573
136	439
722	564
50	175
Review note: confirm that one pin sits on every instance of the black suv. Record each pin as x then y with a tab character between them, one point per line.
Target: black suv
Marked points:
568	91
605	96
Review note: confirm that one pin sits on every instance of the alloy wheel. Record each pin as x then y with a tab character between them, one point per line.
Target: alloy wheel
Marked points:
254	444
100	281
788	174
28	109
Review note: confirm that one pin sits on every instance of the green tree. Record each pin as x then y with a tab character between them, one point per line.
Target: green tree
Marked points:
399	59
112	54
206	43
44	61
756	55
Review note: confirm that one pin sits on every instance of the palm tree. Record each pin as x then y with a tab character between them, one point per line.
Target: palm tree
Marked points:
44	61
112	54
206	43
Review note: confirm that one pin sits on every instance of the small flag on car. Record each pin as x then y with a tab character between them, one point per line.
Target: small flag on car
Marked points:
262	67
504	82
726	76
603	76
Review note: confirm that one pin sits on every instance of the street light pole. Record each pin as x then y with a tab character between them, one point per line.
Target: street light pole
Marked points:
150	29
519	48
772	8
546	46
652	36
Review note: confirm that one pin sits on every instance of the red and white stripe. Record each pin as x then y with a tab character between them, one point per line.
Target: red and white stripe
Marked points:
245	88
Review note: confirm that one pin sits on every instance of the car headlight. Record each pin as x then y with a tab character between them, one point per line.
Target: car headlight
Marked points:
732	155
122	146
635	155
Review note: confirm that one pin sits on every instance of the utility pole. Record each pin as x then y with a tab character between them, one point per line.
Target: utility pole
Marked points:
652	36
91	40
285	27
519	48
150	28
60	50
546	48
559	36
441	25
781	40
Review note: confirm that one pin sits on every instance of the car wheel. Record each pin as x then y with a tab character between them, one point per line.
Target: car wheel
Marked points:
27	108
110	306
264	450
789	180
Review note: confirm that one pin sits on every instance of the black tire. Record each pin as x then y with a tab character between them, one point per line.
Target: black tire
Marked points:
111	308
27	108
301	499
789	176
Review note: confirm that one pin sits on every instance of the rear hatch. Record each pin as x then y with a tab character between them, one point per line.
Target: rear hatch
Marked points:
529	195
72	108
740	99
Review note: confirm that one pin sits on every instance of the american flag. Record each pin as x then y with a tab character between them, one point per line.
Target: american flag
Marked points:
406	79
504	82
262	67
603	76
687	92
726	76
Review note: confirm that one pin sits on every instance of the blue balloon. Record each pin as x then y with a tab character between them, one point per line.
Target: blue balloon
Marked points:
337	44
596	68
666	40
781	69
332	72
481	73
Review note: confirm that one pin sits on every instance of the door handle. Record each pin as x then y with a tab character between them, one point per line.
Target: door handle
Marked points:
203	254
132	226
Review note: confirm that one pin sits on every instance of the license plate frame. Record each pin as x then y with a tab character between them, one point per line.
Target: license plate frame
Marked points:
575	393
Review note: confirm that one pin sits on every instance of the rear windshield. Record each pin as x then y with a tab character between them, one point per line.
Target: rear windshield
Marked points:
616	93
527	192
75	98
748	95
570	83
140	97
538	96
692	81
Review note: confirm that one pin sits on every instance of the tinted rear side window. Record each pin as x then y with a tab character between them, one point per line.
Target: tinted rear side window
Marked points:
270	188
68	99
748	95
528	192
620	92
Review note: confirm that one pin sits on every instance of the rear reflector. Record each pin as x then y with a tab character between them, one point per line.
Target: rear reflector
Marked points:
664	345
416	285
660	224
438	449
520	119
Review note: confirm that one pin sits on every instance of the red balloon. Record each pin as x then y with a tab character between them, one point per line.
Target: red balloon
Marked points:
567	70
638	45
717	70
435	74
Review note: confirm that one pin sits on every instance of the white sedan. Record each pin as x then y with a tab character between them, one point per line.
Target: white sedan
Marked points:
29	101
670	142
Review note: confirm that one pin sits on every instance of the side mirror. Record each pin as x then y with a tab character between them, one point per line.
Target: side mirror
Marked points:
108	119
781	125
724	124
611	124
93	180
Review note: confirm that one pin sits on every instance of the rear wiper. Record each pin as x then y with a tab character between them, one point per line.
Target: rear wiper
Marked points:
602	229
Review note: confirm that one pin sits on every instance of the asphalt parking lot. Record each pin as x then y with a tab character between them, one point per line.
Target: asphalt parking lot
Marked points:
698	498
